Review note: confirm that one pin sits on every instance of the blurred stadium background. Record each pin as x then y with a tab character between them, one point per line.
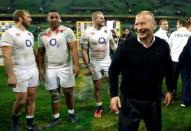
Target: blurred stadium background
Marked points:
76	10
73	12
112	7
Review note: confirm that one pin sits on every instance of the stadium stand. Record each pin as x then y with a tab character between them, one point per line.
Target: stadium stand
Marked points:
122	7
81	10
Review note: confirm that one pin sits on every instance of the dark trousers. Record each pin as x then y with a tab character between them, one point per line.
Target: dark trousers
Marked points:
186	89
186	81
132	111
176	73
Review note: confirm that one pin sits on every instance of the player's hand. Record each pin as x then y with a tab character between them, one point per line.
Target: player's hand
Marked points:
90	69
168	98
115	104
76	70
41	74
12	81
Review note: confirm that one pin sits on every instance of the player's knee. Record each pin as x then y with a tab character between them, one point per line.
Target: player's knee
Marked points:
30	100
97	88
97	85
21	101
55	95
68	91
31	97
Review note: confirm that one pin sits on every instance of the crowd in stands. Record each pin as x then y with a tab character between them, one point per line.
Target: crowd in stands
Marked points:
130	7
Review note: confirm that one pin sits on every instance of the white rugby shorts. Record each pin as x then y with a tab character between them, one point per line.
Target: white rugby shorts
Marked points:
100	70
26	78
56	77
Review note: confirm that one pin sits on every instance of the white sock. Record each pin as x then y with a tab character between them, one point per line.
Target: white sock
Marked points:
99	104
56	115
71	111
29	116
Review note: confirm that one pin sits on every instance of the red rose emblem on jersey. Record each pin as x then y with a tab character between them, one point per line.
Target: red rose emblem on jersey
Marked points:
49	34
29	34
17	34
57	31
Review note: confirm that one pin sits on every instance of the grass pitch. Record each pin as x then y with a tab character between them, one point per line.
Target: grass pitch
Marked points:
175	118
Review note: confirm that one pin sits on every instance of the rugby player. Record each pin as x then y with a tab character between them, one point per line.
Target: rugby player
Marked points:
19	58
58	59
97	40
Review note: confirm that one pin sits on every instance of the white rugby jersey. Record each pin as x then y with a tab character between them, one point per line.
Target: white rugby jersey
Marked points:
56	46
177	41
98	43
162	34
22	43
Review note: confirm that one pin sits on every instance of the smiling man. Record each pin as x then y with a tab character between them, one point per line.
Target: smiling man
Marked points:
58	53
139	60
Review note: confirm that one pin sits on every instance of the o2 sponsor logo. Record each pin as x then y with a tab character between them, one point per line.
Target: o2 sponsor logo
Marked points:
102	40
53	42
28	43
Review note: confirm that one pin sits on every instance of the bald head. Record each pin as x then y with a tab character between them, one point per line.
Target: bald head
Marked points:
146	14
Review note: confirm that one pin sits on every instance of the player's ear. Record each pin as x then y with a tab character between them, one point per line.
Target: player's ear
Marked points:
60	20
155	26
20	19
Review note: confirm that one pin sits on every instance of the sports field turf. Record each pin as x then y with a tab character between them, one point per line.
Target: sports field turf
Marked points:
175	118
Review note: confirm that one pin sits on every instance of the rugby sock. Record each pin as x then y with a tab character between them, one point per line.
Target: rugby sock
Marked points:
99	104
15	119
29	120
71	111
56	116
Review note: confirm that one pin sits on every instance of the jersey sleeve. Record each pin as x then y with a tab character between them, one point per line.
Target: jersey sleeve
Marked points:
6	40
170	42
32	36
168	70
110	35
84	40
70	36
185	55
40	43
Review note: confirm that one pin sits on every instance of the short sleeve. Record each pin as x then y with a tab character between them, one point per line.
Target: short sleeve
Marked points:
170	42
110	35
84	40
6	39
70	36
40	43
